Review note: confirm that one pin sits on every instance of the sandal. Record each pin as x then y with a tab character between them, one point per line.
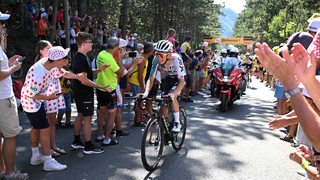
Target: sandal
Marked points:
60	151
287	138
54	153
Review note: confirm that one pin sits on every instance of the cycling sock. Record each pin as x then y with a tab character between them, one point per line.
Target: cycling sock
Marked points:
176	117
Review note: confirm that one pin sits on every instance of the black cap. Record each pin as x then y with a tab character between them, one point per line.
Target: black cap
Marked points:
304	38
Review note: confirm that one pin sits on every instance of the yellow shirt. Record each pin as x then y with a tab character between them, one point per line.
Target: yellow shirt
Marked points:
134	79
108	77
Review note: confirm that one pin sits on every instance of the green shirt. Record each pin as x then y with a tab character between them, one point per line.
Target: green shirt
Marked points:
108	77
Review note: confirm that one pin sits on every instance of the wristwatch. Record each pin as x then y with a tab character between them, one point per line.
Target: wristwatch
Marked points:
292	92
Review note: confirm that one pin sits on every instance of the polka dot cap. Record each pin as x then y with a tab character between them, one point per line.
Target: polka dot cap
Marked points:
57	52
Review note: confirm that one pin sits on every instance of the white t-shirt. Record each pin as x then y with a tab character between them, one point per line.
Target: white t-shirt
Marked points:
5	84
39	80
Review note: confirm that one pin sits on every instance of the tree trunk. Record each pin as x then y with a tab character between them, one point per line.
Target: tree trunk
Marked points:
67	22
123	21
82	8
53	22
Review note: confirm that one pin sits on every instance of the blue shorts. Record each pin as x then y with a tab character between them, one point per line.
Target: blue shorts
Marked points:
135	89
279	92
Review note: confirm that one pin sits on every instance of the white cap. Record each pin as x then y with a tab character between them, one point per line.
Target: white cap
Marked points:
4	17
224	50
43	15
42	10
314	25
205	44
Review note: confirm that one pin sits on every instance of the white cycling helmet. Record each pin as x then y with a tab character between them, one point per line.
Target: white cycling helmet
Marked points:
224	50
164	46
234	50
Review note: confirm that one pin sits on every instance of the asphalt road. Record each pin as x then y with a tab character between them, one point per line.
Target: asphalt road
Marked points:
234	145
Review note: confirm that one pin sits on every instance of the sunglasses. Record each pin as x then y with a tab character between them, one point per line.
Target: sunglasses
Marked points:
162	55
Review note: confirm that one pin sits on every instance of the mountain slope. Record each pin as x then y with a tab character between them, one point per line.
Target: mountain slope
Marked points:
227	21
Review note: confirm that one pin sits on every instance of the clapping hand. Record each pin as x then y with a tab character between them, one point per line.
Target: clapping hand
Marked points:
305	63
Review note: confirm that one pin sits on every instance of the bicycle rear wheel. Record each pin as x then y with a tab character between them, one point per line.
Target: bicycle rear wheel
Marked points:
152	144
178	138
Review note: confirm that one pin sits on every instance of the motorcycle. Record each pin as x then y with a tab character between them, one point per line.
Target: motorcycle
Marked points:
228	84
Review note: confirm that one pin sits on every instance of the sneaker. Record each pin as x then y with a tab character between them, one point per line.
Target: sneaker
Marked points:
112	142
53	165
36	160
121	133
176	128
99	138
16	175
77	145
93	150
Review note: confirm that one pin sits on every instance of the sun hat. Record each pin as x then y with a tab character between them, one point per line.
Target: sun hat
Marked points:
4	17
57	53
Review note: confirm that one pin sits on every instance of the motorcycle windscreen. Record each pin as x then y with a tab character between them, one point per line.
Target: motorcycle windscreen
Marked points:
226	68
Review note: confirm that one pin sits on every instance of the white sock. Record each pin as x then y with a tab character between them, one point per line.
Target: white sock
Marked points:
35	151
106	141
47	158
176	117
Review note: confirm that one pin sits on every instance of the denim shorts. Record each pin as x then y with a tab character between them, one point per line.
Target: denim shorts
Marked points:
135	89
67	101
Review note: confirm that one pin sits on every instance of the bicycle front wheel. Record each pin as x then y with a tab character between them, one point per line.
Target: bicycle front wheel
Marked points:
151	144
178	138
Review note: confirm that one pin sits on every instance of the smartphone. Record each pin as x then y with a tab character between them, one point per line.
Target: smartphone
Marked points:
58	94
132	54
22	59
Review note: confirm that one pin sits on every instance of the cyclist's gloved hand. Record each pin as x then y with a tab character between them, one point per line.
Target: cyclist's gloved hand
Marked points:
145	94
171	95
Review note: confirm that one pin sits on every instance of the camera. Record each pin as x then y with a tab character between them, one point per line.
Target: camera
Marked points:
132	54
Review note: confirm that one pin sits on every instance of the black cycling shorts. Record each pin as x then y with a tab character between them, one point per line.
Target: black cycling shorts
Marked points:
154	90
107	99
168	83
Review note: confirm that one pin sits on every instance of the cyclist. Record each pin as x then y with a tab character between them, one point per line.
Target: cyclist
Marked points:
174	72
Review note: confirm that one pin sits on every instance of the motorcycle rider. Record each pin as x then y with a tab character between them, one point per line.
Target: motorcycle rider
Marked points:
234	60
222	58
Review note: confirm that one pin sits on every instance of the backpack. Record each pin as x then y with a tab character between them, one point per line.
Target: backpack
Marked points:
17	86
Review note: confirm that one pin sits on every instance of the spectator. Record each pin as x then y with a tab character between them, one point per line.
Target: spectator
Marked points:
314	26
34	94
170	37
137	82
107	100
9	125
83	94
51	106
60	16
42	27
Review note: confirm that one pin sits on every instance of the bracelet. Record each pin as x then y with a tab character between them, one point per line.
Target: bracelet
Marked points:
304	164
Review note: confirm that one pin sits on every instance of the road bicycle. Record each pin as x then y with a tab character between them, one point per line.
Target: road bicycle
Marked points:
157	132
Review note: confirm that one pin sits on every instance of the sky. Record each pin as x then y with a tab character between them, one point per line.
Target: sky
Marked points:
236	5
